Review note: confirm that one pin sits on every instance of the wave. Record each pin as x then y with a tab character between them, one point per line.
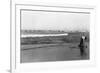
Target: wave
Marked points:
42	35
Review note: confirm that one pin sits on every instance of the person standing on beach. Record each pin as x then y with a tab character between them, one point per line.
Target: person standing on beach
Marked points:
82	46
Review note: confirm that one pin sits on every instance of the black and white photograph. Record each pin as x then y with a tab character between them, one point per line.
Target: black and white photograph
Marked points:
48	35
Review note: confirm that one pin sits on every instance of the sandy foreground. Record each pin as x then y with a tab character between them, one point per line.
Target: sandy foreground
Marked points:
52	52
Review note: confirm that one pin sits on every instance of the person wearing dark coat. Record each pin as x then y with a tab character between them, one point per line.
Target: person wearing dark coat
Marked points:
82	45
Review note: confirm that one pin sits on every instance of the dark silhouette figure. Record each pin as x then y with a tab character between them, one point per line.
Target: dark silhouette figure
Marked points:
82	45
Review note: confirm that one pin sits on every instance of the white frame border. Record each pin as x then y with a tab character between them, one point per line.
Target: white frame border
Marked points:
17	67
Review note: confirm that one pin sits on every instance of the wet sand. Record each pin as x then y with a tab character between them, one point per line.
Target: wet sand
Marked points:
52	52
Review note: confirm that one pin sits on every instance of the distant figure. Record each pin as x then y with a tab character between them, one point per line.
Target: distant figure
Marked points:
82	46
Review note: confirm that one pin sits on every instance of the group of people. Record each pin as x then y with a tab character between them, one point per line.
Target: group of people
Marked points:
82	46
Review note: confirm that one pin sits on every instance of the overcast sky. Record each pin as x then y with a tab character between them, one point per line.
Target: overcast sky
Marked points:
40	20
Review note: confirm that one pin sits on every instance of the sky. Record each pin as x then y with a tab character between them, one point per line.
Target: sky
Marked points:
41	20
